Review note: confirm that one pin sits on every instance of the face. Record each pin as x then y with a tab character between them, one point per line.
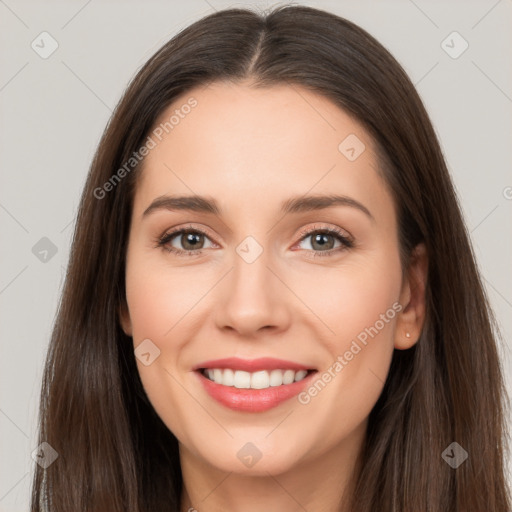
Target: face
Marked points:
291	300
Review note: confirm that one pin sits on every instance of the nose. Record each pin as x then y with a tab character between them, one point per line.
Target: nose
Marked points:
253	299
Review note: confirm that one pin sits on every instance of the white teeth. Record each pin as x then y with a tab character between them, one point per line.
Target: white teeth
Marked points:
228	377
276	377
217	374
288	377
258	380
242	379
300	375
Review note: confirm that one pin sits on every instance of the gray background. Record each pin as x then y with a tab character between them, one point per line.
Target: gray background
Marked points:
54	110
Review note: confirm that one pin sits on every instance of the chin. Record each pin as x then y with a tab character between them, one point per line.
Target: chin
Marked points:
252	458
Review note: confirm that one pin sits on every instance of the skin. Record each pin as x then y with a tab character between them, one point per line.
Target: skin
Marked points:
251	149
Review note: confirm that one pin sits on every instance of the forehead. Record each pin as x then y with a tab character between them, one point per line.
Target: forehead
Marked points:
243	144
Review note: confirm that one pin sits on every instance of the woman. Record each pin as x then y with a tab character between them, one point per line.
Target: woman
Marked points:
272	302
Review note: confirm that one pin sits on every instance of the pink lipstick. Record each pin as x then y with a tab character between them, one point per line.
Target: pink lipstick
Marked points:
254	385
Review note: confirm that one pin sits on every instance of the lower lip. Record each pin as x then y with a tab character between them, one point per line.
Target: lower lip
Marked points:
253	400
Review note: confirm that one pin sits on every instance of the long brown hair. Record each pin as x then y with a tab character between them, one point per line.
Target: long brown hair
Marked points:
115	453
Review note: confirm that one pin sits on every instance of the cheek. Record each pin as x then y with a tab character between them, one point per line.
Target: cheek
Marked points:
359	304
352	297
159	297
161	302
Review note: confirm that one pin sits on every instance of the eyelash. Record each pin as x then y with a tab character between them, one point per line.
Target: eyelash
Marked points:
346	242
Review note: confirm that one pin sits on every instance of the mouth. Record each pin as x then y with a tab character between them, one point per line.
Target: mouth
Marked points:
253	385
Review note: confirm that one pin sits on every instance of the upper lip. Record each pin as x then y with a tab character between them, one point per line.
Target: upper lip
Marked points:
252	365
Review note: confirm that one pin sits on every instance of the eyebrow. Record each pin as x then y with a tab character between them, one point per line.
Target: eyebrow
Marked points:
298	204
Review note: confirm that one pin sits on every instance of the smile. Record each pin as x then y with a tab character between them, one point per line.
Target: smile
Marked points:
258	380
253	385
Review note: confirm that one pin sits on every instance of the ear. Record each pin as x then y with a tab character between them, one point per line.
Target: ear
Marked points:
124	318
412	298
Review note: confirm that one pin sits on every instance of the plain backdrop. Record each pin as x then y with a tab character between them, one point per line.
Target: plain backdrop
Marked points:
54	110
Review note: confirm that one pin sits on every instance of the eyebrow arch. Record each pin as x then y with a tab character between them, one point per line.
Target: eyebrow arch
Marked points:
298	204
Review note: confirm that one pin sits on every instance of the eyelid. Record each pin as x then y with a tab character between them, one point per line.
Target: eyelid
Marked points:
332	230
169	234
346	241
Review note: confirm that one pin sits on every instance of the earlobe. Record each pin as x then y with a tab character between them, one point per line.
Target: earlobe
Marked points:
124	319
412	297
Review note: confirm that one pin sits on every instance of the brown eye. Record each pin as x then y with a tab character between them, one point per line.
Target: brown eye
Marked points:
322	241
191	241
325	240
185	241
